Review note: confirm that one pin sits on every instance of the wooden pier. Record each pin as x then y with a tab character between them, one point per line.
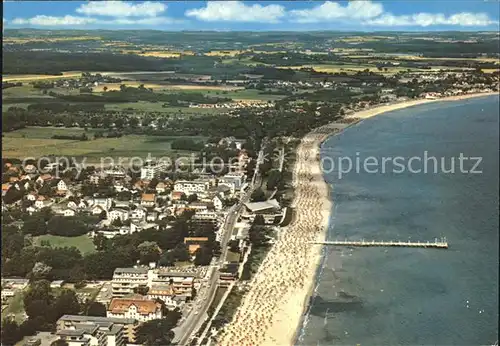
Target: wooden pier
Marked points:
440	244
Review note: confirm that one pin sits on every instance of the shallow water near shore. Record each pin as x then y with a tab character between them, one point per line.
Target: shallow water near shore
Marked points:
413	296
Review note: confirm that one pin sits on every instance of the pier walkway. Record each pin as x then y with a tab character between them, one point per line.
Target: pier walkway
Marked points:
441	244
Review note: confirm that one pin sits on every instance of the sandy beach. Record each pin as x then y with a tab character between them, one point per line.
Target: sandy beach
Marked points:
272	310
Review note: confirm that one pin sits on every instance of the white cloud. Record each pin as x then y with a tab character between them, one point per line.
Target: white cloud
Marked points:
428	19
122	9
237	11
42	20
77	21
334	11
145	21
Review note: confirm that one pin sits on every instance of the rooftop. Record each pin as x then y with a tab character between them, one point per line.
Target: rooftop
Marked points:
259	206
95	319
144	307
131	271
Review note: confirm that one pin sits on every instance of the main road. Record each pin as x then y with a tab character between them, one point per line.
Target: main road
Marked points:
198	314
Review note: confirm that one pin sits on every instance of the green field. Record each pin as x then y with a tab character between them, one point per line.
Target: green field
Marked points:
15	307
37	142
82	243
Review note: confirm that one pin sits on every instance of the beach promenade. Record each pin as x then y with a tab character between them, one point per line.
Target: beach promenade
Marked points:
272	310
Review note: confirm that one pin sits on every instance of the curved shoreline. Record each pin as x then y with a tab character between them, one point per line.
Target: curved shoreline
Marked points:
284	283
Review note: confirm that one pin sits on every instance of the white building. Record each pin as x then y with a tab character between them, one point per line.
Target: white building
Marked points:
93	334
191	187
126	279
168	295
105	203
138	214
142	310
118	213
152	170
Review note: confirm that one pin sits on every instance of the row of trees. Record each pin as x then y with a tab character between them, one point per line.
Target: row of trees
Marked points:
165	246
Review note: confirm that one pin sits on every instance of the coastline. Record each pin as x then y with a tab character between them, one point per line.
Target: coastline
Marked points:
282	288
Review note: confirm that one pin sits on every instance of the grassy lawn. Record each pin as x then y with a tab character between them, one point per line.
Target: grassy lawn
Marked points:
250	94
37	142
25	90
34	77
82	243
16	307
233	256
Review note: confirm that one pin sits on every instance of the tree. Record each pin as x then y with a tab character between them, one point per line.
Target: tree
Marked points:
148	252
100	242
203	256
142	290
66	304
258	195
96	309
117	222
59	342
234	245
40	271
273	179
35	225
181	253
158	332
259	220
10	334
192	198
105	88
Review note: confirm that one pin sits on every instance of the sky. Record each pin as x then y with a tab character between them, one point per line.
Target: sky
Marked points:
356	15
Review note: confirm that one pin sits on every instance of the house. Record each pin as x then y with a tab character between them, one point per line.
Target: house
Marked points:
139	213
152	170
56	284
118	213
90	334
72	321
234	180
30	169
94	179
205	217
97	210
31	209
177	195
118	186
126	279
161	187
62	185
42	179
13	179
142	310
199	206
191	187
5	188
269	209
168	294
15	283
69	211
72	204
148	199
182	281
151	217
194	243
141	226
105	203
82	205
42	202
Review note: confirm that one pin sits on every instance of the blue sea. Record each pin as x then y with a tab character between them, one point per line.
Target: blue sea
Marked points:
412	296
